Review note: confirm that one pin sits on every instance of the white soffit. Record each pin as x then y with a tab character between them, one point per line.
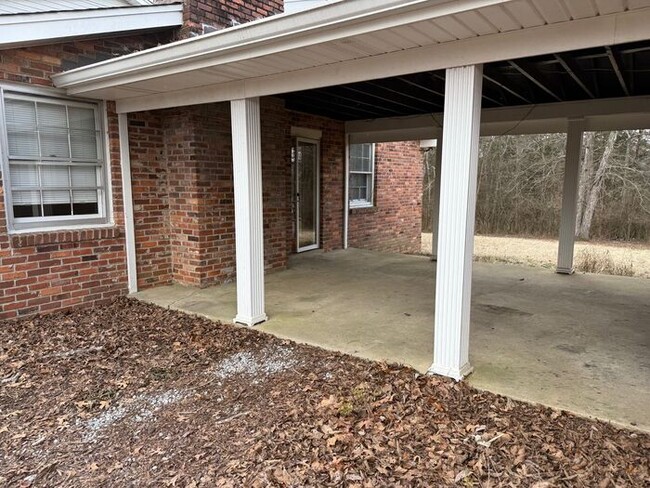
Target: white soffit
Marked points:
41	27
346	42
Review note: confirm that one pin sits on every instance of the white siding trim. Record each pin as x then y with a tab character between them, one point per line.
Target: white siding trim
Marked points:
40	28
127	200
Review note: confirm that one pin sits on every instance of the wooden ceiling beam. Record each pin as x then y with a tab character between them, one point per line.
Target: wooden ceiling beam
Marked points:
529	71
615	61
572	68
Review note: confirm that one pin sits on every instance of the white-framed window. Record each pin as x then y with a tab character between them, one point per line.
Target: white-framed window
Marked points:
53	164
362	175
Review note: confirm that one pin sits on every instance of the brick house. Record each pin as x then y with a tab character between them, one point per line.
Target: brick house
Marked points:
62	222
197	159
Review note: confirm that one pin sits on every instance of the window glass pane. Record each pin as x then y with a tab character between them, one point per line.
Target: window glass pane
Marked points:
57	210
54	143
358	180
84	176
83	144
26	211
84	196
50	115
81	118
56	203
356	151
86	208
23	175
26	197
53	197
20	114
55	176
22	144
360	158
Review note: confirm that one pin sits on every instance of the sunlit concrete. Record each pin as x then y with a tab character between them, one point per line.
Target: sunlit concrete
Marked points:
580	343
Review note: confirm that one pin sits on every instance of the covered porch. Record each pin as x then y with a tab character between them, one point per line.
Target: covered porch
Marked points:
399	70
579	343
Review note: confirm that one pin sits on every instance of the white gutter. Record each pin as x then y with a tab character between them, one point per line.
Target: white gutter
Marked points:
40	28
266	36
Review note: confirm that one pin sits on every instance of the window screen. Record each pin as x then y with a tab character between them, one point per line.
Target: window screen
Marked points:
362	168
55	160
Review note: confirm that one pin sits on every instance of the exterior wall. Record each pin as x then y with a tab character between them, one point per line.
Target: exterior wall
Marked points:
183	190
394	223
150	198
46	271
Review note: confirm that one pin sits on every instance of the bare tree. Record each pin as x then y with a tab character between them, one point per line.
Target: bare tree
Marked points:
595	187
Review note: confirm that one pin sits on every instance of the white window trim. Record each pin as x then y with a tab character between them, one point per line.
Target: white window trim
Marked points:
32	225
371	190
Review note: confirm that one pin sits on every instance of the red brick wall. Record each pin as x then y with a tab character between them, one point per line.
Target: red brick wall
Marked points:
394	223
45	271
224	13
182	186
150	198
34	65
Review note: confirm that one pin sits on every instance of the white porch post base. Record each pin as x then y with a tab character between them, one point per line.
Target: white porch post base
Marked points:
454	373
456	221
570	196
250	321
249	238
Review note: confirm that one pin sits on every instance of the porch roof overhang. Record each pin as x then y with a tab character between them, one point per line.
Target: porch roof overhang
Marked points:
27	24
347	42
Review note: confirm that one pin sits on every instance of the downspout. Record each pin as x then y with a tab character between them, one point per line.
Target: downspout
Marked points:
346	203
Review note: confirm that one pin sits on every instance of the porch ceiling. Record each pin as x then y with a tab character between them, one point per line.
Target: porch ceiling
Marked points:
587	74
348	42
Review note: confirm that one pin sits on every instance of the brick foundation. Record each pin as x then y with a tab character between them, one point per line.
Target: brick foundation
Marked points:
394	223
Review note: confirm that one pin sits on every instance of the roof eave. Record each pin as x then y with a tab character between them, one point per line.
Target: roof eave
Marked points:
40	28
266	36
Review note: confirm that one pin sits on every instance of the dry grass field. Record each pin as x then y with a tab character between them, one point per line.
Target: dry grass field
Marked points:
617	258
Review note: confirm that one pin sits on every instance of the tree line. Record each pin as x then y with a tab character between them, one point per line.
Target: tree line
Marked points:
520	186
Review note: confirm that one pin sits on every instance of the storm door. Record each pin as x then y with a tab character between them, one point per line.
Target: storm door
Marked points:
306	153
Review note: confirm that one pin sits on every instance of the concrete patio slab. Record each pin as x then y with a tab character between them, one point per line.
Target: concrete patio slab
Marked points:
579	343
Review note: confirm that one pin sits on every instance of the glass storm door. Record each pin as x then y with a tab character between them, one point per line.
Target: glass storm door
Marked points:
307	197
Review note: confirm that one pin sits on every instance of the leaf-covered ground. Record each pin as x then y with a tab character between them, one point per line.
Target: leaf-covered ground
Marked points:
135	395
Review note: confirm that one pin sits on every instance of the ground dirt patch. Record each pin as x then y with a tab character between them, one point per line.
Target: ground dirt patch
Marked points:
135	395
617	258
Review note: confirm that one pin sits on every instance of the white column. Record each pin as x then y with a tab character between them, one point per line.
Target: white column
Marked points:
436	201
462	114
574	135
249	238
127	199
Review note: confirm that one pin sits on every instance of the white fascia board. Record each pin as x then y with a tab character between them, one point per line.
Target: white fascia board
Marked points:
39	28
555	38
607	114
279	33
